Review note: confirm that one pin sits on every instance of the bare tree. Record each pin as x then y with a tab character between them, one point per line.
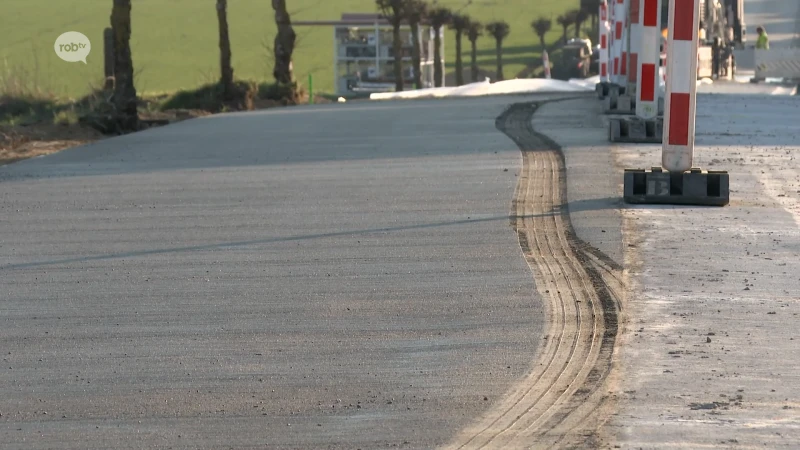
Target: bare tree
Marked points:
395	11
474	31
459	23
565	21
438	18
226	76
541	27
126	116
499	31
416	11
284	47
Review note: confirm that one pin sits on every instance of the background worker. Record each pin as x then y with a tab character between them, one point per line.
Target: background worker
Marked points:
762	42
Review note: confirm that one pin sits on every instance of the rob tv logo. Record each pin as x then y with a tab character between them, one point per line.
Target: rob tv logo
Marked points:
73	46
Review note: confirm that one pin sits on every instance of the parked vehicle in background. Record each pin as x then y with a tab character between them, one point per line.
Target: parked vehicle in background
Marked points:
576	59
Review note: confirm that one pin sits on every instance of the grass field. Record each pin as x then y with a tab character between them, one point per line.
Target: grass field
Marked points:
175	41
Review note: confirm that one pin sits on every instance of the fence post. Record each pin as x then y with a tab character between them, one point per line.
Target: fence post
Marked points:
310	89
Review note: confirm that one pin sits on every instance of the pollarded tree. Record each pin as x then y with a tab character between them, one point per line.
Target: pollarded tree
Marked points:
565	21
579	16
126	116
416	11
284	48
459	23
438	18
226	70
499	31
592	9
395	11
541	27
474	31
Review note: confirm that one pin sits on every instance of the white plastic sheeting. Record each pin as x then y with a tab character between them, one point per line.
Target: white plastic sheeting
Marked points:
516	86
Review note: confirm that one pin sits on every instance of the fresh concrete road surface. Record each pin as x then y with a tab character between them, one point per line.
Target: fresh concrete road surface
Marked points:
337	276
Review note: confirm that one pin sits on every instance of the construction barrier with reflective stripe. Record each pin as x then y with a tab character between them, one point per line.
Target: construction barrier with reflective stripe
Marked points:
778	63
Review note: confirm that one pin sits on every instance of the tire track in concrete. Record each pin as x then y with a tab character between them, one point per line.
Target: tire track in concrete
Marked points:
563	401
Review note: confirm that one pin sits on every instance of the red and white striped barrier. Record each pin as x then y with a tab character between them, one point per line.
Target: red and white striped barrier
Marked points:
616	45
603	40
634	43
648	61
546	64
681	92
625	44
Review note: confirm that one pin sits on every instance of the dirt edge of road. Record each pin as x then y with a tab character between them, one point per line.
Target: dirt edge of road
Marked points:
566	399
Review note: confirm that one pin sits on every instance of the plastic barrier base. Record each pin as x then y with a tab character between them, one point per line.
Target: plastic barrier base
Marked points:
636	130
694	187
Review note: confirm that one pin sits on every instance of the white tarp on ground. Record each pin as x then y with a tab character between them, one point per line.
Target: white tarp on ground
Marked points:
516	86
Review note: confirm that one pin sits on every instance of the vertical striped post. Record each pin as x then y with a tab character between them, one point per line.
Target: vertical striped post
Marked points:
634	43
681	92
616	46
649	59
623	59
603	40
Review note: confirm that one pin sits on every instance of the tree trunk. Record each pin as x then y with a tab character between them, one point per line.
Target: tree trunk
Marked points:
438	71
397	45
578	29
565	33
126	115
541	41
474	60
459	62
108	58
226	75
416	56
284	45
499	60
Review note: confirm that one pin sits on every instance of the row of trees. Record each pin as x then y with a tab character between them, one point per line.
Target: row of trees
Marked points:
413	12
418	12
124	116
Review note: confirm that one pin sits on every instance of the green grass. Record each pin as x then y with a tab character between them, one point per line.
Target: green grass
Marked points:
175	42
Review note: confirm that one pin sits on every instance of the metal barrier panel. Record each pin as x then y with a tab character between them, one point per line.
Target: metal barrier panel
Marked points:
778	63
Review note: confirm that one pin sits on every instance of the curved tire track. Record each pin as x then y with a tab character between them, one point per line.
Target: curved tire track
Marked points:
564	400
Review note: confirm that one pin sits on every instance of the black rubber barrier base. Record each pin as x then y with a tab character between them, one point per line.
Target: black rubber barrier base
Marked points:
694	187
636	130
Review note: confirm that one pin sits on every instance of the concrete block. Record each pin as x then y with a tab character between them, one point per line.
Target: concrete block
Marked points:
636	130
625	104
694	187
614	91
602	90
609	104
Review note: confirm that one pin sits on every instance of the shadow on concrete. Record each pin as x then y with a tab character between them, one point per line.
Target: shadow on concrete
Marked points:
595	204
272	240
